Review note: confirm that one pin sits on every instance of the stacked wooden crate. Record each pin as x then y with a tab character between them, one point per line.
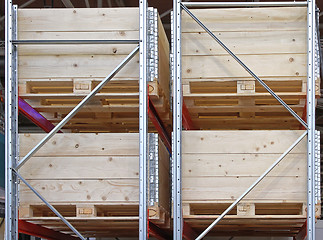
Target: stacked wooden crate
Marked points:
91	178
219	166
54	78
219	93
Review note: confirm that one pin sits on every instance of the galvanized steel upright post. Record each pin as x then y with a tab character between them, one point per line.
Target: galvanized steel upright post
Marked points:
311	121
177	123
143	133
11	124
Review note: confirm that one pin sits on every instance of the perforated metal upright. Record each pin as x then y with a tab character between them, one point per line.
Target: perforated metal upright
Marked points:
312	135
13	164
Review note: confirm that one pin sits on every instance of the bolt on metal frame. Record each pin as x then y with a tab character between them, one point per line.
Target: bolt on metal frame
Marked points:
11	117
178	5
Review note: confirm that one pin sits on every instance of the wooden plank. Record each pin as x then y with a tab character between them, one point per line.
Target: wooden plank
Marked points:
263	65
71	66
273	42
102	19
237	142
263	95
78	144
235	108
85	167
267	79
242	165
163	175
163	61
269	124
77	191
270	188
247	19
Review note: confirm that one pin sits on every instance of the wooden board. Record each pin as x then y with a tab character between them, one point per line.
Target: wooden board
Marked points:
219	93
219	166
90	177
54	78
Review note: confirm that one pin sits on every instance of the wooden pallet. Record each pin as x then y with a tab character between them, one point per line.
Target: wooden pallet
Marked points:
54	78
219	93
248	218
219	166
93	180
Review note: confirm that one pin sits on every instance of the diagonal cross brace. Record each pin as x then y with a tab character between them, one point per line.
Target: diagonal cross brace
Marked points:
78	107
281	101
251	187
49	205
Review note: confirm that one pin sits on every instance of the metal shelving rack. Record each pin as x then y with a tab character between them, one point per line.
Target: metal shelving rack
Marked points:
11	117
312	191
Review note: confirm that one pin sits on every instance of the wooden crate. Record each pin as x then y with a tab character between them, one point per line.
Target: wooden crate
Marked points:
219	166
54	78
93	180
219	93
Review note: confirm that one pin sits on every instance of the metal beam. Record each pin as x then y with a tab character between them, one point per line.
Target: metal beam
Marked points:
48	42
157	233
187	120
244	66
188	232
251	187
34	116
77	108
42	232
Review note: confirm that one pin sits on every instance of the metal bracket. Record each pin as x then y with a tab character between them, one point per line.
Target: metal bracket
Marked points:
152	44
153	168
317	167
